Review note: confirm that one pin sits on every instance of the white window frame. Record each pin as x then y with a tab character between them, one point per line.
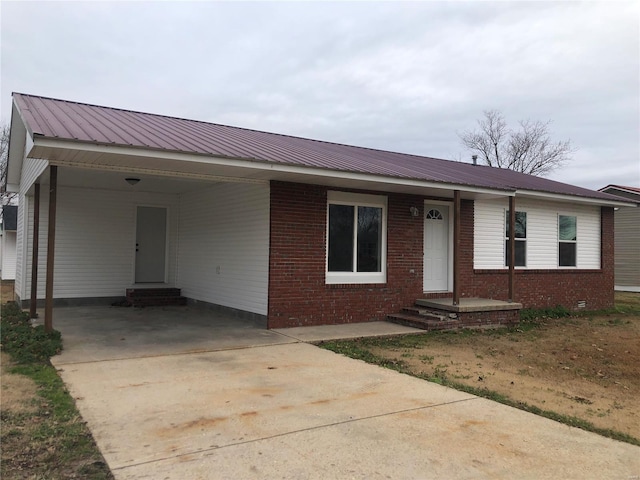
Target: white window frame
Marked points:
524	240
567	241
357	200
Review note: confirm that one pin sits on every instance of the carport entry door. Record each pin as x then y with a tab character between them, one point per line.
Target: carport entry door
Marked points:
151	244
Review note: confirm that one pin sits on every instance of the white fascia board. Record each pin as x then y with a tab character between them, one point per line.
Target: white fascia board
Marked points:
571	198
13	188
258	165
19	144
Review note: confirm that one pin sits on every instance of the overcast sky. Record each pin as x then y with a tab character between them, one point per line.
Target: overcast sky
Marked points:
406	77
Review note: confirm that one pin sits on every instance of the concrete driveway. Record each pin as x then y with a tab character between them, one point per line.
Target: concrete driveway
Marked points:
277	407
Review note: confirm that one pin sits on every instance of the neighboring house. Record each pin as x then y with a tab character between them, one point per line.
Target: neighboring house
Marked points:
299	231
8	242
627	239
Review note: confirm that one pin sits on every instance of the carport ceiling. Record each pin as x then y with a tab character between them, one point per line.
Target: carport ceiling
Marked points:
110	180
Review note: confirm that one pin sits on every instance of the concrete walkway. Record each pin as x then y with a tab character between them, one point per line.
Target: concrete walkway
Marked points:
286	409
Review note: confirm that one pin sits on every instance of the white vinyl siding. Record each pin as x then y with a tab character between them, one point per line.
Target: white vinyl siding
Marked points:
224	246
32	168
542	233
8	255
488	234
20	243
95	241
627	247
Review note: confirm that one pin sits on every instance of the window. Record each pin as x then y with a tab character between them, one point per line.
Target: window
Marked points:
521	239
567	241
356	238
434	215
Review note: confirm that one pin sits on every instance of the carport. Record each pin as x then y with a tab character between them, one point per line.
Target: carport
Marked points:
201	245
86	183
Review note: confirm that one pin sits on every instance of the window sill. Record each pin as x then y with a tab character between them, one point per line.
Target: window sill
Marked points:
522	270
348	278
355	286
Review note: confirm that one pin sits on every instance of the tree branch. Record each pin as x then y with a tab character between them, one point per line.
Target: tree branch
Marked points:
527	150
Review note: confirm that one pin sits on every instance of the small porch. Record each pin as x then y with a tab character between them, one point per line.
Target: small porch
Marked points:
446	314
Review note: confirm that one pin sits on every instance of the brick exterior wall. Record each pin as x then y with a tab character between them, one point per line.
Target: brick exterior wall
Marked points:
298	294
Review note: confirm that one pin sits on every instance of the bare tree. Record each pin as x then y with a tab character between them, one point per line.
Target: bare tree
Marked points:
528	149
5	197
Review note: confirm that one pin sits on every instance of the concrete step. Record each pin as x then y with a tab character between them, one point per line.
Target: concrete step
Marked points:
426	313
423	322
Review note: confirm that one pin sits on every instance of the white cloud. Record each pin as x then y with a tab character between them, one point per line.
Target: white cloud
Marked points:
404	76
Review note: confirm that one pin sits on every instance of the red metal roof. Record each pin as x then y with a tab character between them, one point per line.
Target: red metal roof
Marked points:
61	119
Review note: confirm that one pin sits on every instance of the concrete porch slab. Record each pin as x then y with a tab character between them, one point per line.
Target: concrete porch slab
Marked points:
92	334
468	304
348	330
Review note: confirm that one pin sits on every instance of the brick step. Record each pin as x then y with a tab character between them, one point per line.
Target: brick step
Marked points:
423	322
154	297
152	292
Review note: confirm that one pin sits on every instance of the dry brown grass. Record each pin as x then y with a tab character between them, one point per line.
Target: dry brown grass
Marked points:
17	391
7	291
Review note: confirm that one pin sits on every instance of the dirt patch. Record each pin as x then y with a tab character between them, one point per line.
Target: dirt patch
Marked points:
585	367
7	291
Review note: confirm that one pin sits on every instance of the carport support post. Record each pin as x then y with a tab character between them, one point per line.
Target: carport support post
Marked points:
51	244
456	247
512	247
33	305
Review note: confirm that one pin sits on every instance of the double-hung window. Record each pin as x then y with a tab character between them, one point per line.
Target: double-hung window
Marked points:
567	241
356	238
520	240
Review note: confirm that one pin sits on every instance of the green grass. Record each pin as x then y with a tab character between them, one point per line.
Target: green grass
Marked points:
530	314
62	421
24	343
58	440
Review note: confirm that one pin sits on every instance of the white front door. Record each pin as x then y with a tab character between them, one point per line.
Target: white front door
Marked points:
436	248
151	244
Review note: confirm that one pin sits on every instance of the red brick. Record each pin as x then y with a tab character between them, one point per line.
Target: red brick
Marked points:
298	294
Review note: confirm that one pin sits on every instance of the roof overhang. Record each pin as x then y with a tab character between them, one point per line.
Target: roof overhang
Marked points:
632	195
573	199
215	168
166	163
